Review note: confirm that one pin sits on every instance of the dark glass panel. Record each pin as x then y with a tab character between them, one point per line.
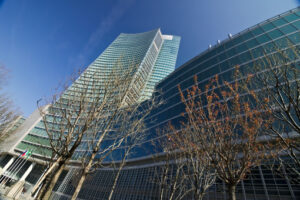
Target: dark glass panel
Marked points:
222	57
279	22
291	17
263	38
231	52
296	24
234	61
287	29
241	48
245	57
224	65
275	34
270	47
295	38
282	42
252	43
257	31
258	52
247	36
267	27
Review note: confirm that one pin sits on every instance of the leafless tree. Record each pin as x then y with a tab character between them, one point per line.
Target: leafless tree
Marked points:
8	112
187	171
85	116
228	125
123	128
279	77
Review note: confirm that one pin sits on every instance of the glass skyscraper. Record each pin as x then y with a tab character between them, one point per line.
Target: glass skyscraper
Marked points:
153	56
246	49
149	56
137	179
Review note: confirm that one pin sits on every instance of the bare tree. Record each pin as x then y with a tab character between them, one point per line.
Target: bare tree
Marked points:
187	171
8	113
77	114
279	77
228	125
129	144
123	128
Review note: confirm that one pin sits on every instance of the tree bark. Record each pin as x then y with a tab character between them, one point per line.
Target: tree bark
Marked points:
47	174
83	176
231	192
47	188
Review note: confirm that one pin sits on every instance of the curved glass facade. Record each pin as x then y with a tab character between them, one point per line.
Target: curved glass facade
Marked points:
246	49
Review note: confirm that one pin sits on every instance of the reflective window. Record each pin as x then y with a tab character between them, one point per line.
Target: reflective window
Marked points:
267	27
252	43
296	24
263	38
291	17
279	22
287	29
275	34
257	31
295	38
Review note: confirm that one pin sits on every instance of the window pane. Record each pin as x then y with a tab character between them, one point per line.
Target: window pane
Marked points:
279	22
263	38
257	52
241	48
252	43
275	34
267	27
291	17
257	31
270	47
245	57
231	52
287	29
247	36
282	42
295	38
296	24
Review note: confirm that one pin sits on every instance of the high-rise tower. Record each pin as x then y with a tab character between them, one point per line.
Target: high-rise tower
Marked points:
146	58
153	56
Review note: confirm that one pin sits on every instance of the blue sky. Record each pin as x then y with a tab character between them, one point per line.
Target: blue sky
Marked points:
44	42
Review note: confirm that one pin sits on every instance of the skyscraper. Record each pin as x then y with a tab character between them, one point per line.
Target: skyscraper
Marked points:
152	54
149	56
137	178
246	49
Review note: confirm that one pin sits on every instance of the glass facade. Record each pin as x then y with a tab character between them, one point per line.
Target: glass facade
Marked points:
246	49
153	57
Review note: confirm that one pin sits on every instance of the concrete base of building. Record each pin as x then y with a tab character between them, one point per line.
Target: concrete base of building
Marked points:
16	190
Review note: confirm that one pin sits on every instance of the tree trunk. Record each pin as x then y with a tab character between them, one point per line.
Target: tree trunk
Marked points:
44	186
115	181
231	192
83	176
48	187
46	174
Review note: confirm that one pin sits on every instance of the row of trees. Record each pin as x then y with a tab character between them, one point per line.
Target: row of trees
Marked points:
89	121
8	112
228	127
